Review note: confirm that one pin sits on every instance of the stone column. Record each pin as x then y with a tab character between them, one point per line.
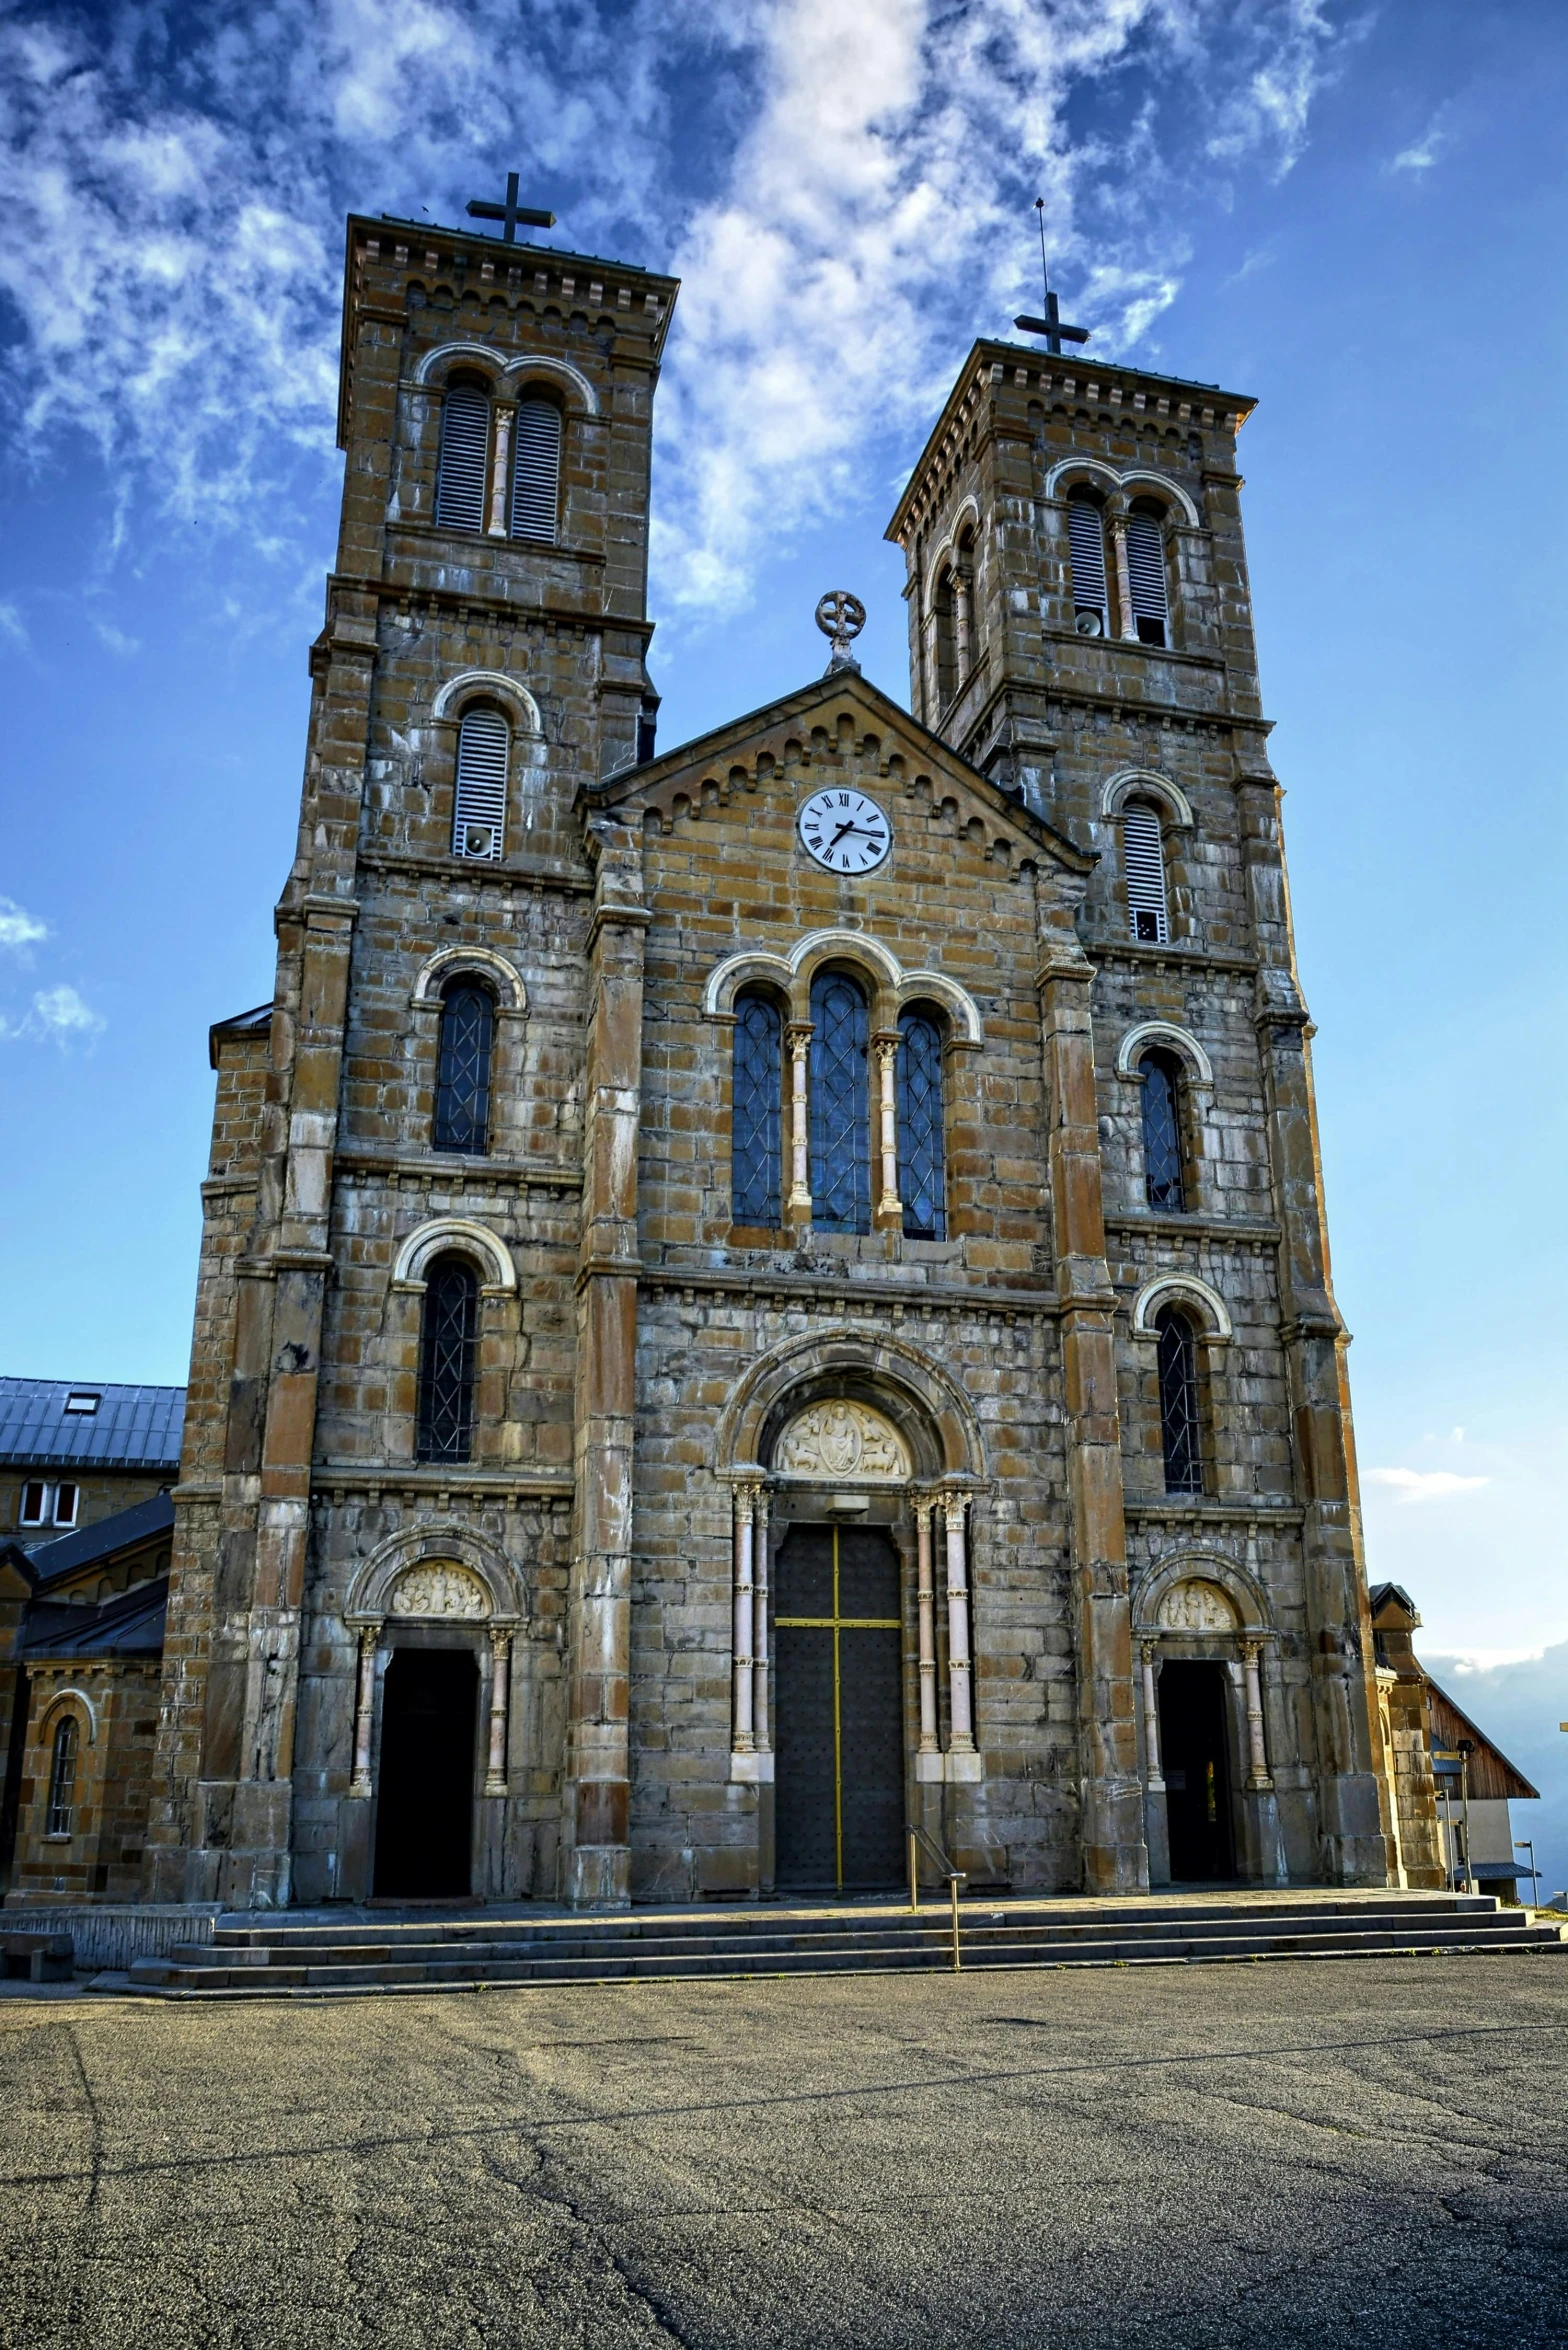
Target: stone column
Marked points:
890	1209
1126	625
1115	1856
759	1623
500	1677
961	1736
925	1602
798	1210
1151	1723
1258	1778
368	1640
743	1662
498	472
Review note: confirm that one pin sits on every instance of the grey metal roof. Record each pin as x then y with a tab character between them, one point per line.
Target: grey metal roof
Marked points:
130	1428
130	1624
144	1519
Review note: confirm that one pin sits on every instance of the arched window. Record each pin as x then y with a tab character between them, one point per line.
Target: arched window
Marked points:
1180	1431
462	1119
448	1343
1086	545
484	750
62	1777
1143	853
1163	1178
536	471
840	1107
1151	609
921	1142
464	460
756	1155
946	614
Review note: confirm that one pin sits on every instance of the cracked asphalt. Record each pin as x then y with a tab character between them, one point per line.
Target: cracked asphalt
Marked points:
1369	2151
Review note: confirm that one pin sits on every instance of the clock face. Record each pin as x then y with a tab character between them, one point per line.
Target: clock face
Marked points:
844	831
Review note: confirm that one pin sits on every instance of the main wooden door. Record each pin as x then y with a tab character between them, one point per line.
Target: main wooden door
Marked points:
839	1721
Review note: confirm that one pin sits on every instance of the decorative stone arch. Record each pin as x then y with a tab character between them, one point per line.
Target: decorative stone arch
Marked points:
474	685
1251	1614
791	974
73	1697
484	962
487	1588
438	365
1141	480
968	513
1175	1040
929	1410
1120	487
463	1237
1144	783
1182	1289
554	371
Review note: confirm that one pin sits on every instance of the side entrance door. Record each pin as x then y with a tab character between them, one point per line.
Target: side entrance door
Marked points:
839	1723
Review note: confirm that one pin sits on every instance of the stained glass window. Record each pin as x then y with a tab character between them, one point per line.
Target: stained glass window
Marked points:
840	1117
756	1132
448	1343
62	1778
462	1121
921	1152
1162	1172
1180	1434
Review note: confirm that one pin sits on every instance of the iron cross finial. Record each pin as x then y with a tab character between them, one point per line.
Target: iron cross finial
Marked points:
1050	325
511	212
842	617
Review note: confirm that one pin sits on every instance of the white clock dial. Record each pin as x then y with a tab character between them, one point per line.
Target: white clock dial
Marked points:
844	831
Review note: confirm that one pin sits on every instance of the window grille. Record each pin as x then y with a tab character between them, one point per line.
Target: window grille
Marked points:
1179	1423
464	459
536	471
448	1343
484	743
1144	853
65	1500
921	1142
462	1120
1162	1152
35	1502
756	1123
1086	543
62	1777
1146	578
840	1123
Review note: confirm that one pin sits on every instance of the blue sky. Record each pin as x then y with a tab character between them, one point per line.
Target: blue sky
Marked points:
1356	213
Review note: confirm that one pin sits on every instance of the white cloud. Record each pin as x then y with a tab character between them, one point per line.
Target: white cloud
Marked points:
18	929
13	629
1424	152
1425	1484
57	1015
115	638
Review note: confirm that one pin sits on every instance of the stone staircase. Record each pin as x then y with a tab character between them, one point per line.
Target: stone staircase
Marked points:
318	1953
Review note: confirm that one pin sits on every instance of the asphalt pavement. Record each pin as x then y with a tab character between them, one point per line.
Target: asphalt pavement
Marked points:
1368	2151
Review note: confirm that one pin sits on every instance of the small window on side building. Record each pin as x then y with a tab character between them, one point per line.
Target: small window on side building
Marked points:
62	1778
66	1498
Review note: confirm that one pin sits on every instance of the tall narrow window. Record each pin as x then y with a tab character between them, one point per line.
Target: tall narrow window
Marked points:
448	1343
921	1142
1179	1425
946	640
1146	579
462	1120
464	459
536	471
1086	544
840	1108
1162	1151
66	1498
757	1134
484	745
35	1502
1144	854
62	1777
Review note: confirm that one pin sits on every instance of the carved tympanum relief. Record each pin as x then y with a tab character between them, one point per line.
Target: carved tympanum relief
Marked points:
439	1587
1196	1606
840	1439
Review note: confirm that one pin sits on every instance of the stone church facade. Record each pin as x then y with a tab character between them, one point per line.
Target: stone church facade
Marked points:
760	1295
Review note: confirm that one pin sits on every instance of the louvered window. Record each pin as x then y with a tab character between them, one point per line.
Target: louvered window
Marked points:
484	742
1146	579
757	1134
62	1778
1086	543
448	1343
946	641
1144	854
536	471
840	1110
1162	1152
462	1120
921	1139
1180	1429
465	451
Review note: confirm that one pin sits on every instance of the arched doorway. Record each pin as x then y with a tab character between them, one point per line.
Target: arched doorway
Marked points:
1195	1746
425	1799
838	1633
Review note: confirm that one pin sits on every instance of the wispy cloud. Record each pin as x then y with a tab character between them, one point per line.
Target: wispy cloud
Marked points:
1425	1484
13	629
57	1015
19	930
1424	152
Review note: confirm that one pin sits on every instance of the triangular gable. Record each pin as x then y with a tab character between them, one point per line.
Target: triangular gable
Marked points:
1491	1774
809	725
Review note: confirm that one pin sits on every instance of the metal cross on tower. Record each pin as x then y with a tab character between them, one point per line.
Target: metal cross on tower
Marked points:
511	212
1050	325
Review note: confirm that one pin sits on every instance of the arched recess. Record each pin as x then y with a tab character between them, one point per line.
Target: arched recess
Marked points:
436	365
791	974
1185	1289
1138	481
1254	1616
1143	783
927	1407
77	1697
552	371
372	1591
489	685
466	1238
1174	1040
968	513
496	364
484	963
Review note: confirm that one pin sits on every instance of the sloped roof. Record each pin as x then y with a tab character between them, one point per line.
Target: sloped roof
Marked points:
252	1023
127	1428
130	1624
93	1545
1490	1774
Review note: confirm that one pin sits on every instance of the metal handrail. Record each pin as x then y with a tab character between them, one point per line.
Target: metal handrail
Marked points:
954	1878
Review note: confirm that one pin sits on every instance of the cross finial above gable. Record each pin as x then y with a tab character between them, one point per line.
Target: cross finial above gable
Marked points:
1050	325
511	212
